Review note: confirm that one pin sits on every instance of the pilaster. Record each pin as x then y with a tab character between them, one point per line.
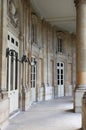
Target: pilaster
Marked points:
24	91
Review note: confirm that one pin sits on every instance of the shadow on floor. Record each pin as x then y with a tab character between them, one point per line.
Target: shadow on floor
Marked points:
70	111
79	129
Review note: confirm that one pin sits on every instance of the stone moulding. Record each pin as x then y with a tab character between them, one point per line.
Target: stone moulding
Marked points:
78	2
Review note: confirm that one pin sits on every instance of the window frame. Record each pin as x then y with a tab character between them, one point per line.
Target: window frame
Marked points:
60	44
33	74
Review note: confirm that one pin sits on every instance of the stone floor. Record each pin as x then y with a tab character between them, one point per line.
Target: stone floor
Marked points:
56	114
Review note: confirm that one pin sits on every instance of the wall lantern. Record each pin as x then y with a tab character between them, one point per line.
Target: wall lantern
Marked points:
12	53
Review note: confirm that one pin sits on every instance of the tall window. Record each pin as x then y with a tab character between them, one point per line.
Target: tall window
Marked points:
12	63
33	74
16	72
11	72
60	73
60	49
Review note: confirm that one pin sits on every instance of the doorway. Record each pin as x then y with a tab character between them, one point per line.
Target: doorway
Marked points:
12	72
60	79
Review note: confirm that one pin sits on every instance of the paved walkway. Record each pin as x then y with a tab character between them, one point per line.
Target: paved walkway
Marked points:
56	114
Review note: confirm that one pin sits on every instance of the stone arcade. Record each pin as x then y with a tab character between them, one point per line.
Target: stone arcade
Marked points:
39	61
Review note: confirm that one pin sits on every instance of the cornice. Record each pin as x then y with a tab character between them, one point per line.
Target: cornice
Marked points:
79	2
58	19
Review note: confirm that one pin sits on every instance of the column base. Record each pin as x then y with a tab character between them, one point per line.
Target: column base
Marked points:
78	98
49	90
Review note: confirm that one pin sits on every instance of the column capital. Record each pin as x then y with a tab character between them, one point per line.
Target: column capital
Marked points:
78	2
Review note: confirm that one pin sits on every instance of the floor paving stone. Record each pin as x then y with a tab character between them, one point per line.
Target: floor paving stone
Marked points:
56	114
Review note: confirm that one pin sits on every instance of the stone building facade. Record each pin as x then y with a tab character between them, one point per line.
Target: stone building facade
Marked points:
37	60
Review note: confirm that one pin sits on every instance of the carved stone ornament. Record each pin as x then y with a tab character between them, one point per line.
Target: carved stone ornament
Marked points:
13	12
78	2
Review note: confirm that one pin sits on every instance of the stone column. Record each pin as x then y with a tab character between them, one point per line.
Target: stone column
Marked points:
3	44
80	53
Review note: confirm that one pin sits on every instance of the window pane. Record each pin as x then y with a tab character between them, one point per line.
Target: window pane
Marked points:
57	64
16	43
7	71
61	71
16	70
34	69
61	64
8	37
58	82
61	82
12	40
11	74
59	45
33	74
61	76
33	84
